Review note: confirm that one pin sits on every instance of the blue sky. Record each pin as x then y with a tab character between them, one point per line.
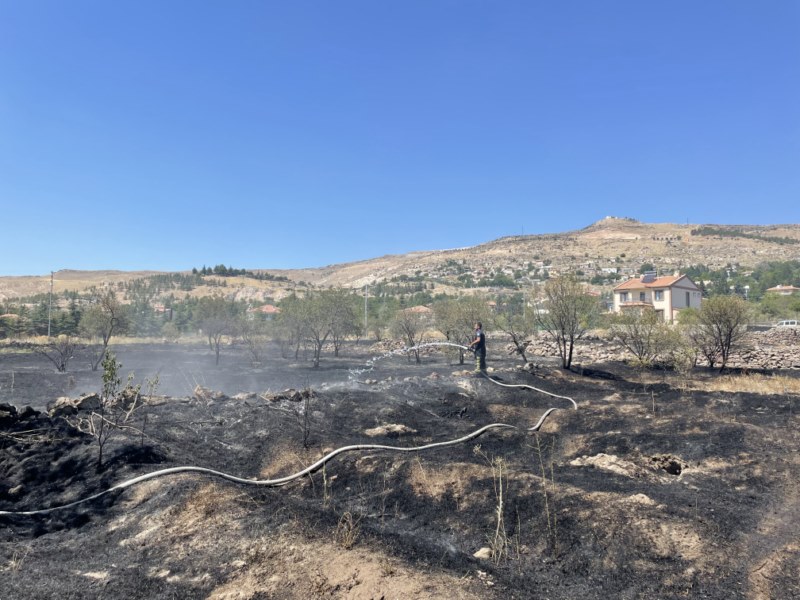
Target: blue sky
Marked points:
166	135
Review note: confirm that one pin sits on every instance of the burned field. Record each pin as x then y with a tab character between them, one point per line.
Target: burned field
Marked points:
652	488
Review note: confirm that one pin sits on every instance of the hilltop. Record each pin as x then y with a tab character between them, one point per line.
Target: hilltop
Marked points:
610	248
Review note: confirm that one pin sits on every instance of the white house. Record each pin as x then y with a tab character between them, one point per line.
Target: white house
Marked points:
666	295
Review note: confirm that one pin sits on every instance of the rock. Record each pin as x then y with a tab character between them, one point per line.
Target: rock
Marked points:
641	499
291	394
28	413
390	430
87	402
201	393
483	553
8	414
128	396
244	396
63	406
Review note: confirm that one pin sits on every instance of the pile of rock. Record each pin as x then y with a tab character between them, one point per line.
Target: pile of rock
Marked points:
592	349
777	348
66	406
291	394
10	416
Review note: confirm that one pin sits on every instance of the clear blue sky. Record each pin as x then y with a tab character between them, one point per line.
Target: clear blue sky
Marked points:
166	135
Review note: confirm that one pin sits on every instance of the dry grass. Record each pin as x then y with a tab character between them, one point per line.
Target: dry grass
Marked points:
347	530
753	384
17	558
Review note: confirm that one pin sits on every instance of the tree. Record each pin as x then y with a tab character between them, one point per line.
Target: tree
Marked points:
518	323
456	318
345	317
776	306
721	326
698	338
567	313
647	268
644	334
318	313
255	335
410	324
115	407
58	351
105	317
217	317
291	325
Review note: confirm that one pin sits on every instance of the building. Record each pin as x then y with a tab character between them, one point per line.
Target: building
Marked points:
784	290
666	295
268	311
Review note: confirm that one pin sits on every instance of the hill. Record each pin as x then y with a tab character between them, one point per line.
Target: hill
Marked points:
608	249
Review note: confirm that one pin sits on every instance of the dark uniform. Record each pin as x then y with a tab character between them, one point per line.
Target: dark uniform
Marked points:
480	350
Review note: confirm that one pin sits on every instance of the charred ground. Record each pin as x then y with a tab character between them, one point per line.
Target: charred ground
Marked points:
651	489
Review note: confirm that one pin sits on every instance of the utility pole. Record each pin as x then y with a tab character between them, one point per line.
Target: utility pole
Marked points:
366	295
50	304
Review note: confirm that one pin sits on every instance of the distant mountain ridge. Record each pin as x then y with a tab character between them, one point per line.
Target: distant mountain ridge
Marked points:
612	245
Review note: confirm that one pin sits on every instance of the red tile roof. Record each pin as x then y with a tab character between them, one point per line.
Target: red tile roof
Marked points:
659	282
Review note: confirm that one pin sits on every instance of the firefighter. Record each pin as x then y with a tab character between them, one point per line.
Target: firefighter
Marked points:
478	345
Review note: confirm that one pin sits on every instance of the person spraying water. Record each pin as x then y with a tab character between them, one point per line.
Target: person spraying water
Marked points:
478	346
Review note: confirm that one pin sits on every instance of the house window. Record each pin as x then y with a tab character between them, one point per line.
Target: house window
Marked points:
641	296
659	294
623	296
688	303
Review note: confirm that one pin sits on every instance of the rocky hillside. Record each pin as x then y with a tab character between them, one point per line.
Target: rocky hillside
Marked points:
612	247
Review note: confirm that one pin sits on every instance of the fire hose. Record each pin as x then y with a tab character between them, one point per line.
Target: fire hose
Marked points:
310	469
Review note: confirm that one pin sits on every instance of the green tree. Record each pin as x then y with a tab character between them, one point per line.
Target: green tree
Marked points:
721	327
456	318
345	316
644	334
291	325
647	267
217	318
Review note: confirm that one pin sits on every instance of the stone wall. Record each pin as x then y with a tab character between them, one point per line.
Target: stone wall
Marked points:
777	348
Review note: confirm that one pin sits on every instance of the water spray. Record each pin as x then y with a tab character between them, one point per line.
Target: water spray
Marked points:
370	365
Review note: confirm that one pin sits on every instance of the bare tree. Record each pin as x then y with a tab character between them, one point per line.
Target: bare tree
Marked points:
254	332
319	322
410	324
58	350
567	313
519	325
105	317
